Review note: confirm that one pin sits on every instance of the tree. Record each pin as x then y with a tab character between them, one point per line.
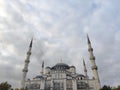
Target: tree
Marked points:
5	86
24	89
105	87
16	88
118	88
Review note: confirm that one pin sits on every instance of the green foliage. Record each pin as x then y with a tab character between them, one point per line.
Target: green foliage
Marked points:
16	88
24	89
118	88
5	86
106	88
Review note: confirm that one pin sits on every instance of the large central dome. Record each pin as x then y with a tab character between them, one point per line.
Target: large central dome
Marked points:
60	66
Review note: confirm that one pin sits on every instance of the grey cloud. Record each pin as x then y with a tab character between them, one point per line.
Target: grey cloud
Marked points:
58	28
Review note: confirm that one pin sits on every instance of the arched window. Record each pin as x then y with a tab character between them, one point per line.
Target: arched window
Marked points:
81	78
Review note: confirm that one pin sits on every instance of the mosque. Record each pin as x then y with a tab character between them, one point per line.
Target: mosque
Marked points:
61	76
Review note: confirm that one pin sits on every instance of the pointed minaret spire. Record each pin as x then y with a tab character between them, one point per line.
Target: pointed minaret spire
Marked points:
85	69
27	61
43	64
88	39
93	65
42	68
31	43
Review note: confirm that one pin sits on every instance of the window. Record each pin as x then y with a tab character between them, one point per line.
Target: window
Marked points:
81	85
58	86
69	85
35	86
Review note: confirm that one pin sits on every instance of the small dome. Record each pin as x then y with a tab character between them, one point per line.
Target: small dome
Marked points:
80	75
39	77
60	66
48	68
72	66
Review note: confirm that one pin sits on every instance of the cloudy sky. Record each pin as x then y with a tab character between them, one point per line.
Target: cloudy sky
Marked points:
59	29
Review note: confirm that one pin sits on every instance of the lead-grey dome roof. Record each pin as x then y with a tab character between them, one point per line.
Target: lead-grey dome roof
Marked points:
40	77
60	66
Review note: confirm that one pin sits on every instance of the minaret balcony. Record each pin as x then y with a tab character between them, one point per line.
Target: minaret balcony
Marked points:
92	58
27	61
25	70
94	67
85	70
28	53
90	49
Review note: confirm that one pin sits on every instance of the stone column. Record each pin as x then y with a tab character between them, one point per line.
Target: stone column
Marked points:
52	85
65	88
42	87
74	84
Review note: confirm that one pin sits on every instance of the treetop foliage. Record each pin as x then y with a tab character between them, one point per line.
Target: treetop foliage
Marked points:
105	87
5	86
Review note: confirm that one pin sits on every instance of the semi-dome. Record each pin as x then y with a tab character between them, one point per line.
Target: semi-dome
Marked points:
39	77
60	66
48	68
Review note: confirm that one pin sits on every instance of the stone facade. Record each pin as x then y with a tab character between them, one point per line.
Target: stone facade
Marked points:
60	77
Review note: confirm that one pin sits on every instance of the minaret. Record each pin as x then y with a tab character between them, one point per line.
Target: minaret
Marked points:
42	68
27	60
85	72
85	69
93	65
